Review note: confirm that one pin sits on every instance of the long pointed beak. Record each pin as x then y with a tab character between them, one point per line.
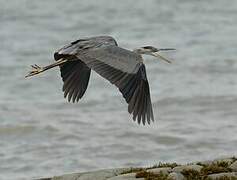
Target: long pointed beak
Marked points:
160	57
166	49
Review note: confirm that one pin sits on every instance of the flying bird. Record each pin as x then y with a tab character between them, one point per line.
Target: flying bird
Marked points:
123	68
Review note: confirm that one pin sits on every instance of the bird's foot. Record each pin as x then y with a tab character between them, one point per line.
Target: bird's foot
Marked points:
35	70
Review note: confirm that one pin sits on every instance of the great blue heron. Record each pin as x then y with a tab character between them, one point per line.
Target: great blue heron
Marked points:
122	67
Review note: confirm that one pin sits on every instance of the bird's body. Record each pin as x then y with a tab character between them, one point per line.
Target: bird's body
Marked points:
122	67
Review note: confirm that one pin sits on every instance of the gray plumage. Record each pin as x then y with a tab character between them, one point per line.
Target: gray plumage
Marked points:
123	68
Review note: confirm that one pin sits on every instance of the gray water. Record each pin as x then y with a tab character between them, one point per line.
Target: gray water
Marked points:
194	98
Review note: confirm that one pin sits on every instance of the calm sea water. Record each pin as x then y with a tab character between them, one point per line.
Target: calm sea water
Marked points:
194	99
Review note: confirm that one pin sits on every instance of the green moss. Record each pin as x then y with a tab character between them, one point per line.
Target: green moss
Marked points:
223	164
161	165
213	168
151	176
191	174
133	170
227	178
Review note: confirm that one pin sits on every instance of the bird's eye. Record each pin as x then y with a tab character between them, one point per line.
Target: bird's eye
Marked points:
147	47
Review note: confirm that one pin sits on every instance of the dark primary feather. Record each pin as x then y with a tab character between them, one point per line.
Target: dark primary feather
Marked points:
121	67
137	94
75	75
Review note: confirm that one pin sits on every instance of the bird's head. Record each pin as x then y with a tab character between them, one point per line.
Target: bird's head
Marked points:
150	50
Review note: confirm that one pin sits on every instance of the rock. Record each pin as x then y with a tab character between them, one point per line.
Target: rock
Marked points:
233	166
129	176
221	175
176	173
98	175
64	177
187	167
164	170
176	176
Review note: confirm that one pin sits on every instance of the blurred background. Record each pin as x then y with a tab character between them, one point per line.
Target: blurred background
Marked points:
194	98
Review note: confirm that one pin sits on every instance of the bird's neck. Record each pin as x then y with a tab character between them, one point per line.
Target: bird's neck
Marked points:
138	51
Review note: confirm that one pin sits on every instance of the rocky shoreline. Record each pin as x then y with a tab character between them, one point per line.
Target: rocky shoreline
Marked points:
218	169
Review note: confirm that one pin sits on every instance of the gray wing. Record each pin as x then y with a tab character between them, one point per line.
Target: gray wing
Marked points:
75	75
121	67
124	69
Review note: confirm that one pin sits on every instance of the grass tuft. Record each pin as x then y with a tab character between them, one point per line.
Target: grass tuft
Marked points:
151	176
190	174
213	168
133	170
163	165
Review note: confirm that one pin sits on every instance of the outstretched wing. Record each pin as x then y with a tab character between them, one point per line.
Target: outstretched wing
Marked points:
75	75
121	67
134	88
124	69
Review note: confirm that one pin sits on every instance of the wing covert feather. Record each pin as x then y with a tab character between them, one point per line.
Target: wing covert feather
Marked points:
113	56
